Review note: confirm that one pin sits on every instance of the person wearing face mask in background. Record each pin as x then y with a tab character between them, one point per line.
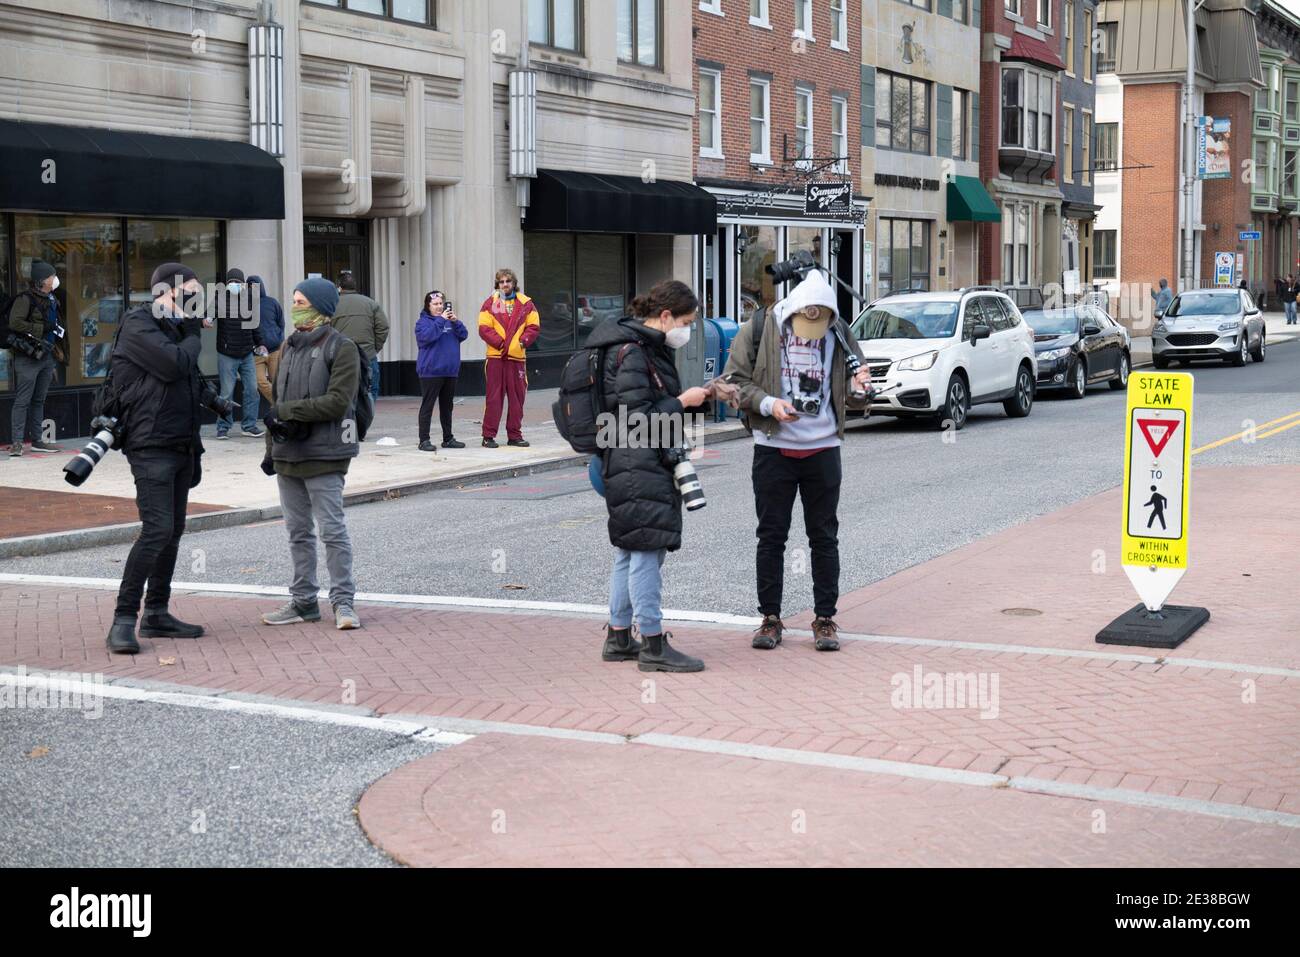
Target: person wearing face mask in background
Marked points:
266	358
34	321
155	372
798	359
645	508
311	440
239	337
508	322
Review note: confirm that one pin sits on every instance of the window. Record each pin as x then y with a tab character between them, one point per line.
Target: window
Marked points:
1086	143
758	13
1293	101
1289	182
1028	109
409	11
711	6
710	113
803	126
760	139
959	11
577	280
923	4
904	255
1012	7
803	19
1016	243
1106	147
1067	147
756	287
960	106
839	24
1067	28
902	113
638	32
555	23
840	133
1265	166
1109	45
1045	13
1103	253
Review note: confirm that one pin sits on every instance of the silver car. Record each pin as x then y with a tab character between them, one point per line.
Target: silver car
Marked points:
1222	324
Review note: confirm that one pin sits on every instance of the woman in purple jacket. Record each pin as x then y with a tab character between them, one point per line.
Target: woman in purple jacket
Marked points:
439	334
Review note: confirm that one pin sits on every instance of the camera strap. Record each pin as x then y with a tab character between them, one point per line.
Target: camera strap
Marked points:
791	380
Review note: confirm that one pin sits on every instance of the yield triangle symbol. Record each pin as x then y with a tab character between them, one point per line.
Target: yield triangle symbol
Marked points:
1164	428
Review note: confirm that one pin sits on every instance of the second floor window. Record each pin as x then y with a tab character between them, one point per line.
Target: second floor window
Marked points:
902	113
760	137
840	133
638	32
408	11
1105	147
554	23
1028	109
960	107
710	113
803	124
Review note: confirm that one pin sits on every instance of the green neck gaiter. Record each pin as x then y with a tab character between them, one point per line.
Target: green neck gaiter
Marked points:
306	318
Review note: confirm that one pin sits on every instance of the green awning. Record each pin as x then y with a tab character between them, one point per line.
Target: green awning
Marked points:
969	201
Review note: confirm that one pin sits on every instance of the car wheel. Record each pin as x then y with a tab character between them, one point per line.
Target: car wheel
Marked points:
1121	377
1160	362
1022	400
1258	353
956	405
1243	350
1078	381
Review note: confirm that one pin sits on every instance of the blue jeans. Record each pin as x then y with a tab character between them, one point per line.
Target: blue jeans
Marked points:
1289	306
227	369
374	377
635	586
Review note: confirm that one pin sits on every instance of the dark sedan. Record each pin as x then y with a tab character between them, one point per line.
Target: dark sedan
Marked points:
1078	346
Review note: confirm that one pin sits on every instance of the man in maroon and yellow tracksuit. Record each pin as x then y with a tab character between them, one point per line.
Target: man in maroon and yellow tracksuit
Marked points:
509	324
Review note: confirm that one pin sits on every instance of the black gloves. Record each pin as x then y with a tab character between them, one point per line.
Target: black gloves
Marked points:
191	326
268	466
283	431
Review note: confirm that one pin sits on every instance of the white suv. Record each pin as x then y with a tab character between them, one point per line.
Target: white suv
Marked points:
939	353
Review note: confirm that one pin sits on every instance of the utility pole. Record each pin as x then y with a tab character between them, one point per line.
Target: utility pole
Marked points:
1189	155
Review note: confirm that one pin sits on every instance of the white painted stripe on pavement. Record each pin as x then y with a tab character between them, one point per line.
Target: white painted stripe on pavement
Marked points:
1165	802
469	727
698	617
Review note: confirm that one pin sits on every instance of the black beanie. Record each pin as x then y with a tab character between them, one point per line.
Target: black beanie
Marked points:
172	275
40	271
234	275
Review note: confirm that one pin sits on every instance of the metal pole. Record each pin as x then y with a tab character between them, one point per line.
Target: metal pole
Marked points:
1189	183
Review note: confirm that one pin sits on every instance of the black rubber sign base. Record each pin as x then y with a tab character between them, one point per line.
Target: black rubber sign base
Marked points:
1168	628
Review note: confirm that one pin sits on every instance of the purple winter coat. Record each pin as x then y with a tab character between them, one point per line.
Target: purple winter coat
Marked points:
439	340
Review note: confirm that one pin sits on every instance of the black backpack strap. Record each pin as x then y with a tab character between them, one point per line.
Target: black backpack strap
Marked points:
756	340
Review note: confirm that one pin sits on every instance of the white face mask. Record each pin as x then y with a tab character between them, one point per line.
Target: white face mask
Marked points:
56	284
678	336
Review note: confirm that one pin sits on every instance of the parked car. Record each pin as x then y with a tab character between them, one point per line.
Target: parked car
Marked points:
593	310
1209	324
939	353
1077	346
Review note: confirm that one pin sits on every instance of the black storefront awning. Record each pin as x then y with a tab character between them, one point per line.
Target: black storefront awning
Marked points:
135	174
564	201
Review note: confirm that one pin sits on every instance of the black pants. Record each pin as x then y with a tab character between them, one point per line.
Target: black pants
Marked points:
162	490
777	478
442	390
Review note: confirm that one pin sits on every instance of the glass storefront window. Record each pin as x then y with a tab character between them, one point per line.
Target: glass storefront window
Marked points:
152	242
602	282
8	287
87	254
548	281
755	284
904	255
804	237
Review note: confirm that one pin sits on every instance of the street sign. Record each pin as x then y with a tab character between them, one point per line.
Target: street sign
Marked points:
1157	452
1250	235
1223	269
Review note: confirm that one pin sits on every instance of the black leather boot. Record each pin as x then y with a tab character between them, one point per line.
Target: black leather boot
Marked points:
159	623
121	637
658	655
619	645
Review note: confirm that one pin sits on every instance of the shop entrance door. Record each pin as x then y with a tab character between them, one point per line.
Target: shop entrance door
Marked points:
331	246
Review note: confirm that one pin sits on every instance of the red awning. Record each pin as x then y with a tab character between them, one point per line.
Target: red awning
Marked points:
1029	48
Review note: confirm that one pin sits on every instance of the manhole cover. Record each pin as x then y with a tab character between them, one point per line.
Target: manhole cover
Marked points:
1021	612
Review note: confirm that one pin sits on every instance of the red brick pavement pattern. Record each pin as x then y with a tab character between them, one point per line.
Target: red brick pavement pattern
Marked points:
507	801
26	511
1245	522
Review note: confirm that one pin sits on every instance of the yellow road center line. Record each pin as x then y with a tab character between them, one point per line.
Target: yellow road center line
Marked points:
1281	428
1258	435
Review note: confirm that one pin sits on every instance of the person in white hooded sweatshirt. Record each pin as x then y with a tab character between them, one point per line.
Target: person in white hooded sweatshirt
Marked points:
794	392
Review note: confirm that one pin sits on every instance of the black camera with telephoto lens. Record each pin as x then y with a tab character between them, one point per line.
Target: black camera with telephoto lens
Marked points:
686	478
107	435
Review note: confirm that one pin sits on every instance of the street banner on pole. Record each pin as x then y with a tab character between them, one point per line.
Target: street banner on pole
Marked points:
1213	154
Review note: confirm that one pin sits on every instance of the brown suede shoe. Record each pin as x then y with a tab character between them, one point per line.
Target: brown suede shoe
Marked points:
768	635
824	634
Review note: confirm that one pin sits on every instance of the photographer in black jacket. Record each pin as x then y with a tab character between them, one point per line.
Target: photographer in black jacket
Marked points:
157	393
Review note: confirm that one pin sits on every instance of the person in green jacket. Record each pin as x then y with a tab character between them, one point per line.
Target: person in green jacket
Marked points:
364	321
311	439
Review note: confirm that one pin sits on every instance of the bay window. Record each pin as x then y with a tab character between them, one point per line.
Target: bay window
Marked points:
1028	109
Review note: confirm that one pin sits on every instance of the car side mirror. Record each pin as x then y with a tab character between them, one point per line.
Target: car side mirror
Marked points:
980	331
1092	330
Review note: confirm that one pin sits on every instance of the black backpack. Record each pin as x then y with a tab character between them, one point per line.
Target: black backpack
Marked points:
365	402
581	403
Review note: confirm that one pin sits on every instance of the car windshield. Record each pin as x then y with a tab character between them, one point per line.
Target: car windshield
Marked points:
1058	322
909	320
1205	304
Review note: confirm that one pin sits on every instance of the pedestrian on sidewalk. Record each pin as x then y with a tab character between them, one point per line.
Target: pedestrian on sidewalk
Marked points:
364	321
1291	298
154	381
645	509
238	338
439	334
271	328
36	343
1163	297
312	439
509	324
797	452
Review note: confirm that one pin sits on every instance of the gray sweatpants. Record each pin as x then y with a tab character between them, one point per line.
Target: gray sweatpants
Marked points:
319	499
32	383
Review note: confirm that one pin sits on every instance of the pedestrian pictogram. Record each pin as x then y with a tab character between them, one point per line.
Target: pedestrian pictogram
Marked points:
1154	554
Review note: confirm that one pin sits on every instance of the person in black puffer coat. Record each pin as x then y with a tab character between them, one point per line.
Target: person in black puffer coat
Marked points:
645	509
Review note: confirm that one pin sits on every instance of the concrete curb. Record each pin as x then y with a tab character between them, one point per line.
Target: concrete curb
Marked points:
54	542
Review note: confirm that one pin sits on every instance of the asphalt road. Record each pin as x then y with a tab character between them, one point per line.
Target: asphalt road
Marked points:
908	496
155	785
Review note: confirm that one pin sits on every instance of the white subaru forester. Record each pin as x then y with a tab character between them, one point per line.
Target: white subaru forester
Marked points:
936	354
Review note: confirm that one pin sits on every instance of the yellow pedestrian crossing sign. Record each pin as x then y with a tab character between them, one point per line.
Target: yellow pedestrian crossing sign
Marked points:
1157	457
